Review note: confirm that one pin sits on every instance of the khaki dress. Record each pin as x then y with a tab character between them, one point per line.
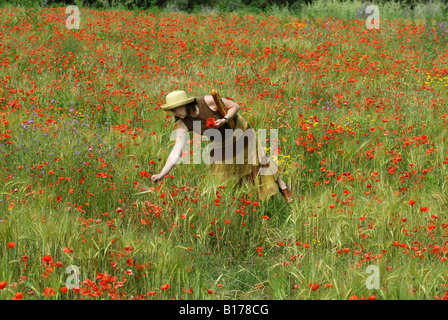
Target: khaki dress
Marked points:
233	153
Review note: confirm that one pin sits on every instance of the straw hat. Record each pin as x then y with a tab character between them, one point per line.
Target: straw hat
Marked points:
176	99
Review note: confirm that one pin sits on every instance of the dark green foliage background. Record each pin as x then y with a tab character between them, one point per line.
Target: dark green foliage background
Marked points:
189	5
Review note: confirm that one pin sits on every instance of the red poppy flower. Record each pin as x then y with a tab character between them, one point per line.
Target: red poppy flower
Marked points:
314	286
165	286
11	244
210	123
18	296
67	250
47	258
424	209
76	289
2	285
48	292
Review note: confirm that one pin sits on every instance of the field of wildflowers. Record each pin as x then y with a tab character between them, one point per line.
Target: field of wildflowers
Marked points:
362	122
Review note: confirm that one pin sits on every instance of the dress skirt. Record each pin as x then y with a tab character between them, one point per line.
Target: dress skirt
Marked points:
247	162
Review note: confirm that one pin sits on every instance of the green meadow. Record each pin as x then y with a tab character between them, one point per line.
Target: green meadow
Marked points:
361	116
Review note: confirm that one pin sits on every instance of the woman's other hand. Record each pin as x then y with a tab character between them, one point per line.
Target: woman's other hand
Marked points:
219	123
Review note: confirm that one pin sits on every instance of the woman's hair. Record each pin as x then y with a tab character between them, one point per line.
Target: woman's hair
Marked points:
189	107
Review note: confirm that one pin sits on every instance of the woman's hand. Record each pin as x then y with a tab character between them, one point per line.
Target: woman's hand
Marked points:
220	122
156	177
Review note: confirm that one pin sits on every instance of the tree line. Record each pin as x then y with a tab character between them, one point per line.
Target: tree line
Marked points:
192	5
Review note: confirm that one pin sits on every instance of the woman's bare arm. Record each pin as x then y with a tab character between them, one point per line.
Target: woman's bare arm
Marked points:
173	158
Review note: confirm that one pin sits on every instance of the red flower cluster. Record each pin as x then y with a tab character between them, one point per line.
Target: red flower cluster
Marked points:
210	123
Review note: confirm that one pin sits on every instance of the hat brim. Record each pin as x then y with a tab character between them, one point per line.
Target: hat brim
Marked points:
168	107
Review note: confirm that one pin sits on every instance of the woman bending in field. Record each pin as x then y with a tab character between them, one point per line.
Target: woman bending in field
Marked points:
201	113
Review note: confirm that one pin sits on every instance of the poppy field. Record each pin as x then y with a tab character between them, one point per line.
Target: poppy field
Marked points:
361	116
